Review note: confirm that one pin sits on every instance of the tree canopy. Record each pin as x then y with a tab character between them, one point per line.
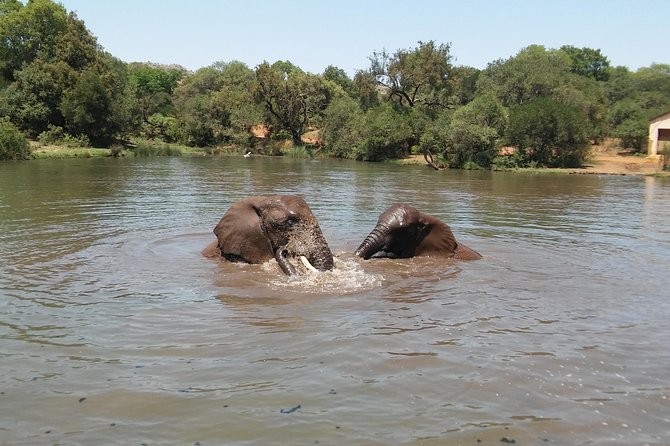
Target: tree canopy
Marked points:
549	104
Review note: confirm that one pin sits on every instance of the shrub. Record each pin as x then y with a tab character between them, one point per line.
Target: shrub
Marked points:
13	144
156	150
665	156
57	136
299	152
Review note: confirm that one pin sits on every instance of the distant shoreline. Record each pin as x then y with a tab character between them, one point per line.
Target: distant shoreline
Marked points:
602	161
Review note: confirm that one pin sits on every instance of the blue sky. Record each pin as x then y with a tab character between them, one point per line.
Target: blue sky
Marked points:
315	34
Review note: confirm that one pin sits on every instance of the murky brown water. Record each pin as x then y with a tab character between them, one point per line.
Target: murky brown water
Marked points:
114	330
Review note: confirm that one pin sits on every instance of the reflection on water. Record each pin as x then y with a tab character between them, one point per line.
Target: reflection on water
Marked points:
114	328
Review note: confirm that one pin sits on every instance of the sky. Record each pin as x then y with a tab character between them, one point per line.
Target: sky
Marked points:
345	33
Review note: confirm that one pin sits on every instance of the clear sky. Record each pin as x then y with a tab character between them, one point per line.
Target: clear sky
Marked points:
317	33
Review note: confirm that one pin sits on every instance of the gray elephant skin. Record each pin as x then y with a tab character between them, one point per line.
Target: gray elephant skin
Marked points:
259	228
402	231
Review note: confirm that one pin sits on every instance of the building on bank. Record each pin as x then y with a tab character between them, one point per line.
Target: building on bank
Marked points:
659	134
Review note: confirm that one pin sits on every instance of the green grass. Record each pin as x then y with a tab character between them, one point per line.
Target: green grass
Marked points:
68	152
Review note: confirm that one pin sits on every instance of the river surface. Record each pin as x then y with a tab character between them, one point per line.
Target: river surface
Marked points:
115	330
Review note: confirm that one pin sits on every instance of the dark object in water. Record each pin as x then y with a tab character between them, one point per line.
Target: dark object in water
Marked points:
291	410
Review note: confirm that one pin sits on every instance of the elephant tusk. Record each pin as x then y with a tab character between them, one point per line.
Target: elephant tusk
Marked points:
308	265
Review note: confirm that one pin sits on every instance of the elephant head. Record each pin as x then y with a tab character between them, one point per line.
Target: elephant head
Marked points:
402	231
259	228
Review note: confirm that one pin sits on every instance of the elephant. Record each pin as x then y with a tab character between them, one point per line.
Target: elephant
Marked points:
402	232
259	228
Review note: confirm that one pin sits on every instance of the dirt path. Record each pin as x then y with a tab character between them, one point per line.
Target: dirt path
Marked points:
607	161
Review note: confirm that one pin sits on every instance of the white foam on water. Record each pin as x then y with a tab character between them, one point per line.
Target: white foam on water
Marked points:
346	277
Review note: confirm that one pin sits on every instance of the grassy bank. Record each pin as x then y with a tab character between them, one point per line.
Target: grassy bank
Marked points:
140	149
69	152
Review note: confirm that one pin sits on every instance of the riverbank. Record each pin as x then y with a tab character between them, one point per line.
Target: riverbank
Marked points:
604	160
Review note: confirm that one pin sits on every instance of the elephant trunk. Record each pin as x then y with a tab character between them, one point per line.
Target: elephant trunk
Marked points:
284	264
322	259
373	243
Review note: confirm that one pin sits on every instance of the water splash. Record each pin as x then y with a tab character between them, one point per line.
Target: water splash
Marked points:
347	277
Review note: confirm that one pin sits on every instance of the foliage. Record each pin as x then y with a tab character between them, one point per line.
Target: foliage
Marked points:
58	75
153	86
13	145
55	135
588	62
97	104
665	156
214	105
536	72
634	99
469	137
343	128
291	98
339	77
388	133
548	133
58	85
145	150
414	76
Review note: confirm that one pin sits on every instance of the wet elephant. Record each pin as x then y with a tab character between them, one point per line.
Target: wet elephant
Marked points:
402	231
257	229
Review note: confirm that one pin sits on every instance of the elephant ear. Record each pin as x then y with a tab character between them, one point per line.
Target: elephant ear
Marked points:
240	235
439	240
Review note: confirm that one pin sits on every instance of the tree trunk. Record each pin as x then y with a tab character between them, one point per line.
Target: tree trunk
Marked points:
429	159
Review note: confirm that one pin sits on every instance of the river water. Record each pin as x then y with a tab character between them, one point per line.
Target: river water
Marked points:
115	330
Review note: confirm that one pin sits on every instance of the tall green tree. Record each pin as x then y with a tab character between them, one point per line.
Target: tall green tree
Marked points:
339	77
153	86
99	103
43	50
291	98
343	128
29	32
588	62
414	76
548	133
536	72
215	105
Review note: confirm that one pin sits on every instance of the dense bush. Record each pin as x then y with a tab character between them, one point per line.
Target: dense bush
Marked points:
156	150
548	133
13	145
55	135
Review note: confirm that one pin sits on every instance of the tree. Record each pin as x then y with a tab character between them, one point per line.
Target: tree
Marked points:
588	62
468	137
339	77
343	128
215	105
98	104
291	97
414	76
548	133
635	98
539	73
43	49
153	86
463	84
475	133
29	32
533	72
388	133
